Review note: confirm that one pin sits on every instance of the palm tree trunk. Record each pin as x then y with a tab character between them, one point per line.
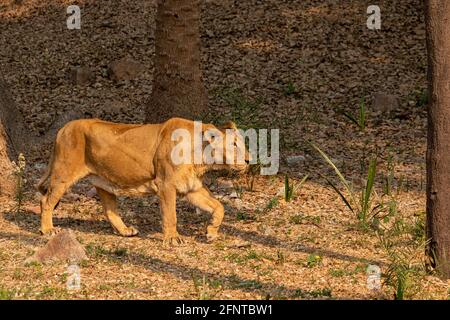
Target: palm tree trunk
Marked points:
12	140
438	152
178	88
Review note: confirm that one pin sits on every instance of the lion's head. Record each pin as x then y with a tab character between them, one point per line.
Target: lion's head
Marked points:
211	147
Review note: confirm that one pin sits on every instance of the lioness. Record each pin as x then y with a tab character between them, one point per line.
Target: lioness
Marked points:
134	160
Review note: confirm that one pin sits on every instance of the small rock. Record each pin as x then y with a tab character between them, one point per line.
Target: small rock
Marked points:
238	244
234	195
238	204
81	76
225	185
34	209
91	193
124	69
63	247
295	160
40	166
70	196
383	102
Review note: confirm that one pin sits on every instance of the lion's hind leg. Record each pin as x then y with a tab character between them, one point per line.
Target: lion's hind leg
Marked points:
203	200
110	209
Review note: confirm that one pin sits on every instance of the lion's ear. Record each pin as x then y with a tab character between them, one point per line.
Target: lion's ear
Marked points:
229	125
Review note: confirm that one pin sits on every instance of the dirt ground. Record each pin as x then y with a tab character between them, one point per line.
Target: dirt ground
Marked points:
292	65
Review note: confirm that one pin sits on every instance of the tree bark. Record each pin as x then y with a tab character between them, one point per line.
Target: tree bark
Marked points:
437	17
178	89
12	140
7	181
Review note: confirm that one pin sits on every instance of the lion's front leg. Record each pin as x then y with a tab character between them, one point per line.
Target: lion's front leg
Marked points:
203	199
168	200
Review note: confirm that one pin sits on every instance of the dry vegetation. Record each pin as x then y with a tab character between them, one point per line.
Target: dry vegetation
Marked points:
293	65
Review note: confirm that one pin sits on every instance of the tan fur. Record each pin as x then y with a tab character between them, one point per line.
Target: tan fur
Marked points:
128	159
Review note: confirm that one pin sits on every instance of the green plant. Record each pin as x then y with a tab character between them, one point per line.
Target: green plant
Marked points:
96	250
389	179
238	189
19	275
347	271
289	89
305	294
205	288
242	216
281	258
403	273
404	244
421	97
366	196
235	282
313	260
288	189
291	189
242	108
361	120
337	273
242	258
297	219
7	294
99	251
19	173
53	292
120	252
252	255
363	207
201	288
418	231
272	203
303	219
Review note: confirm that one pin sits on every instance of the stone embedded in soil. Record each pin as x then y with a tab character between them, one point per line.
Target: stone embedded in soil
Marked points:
40	167
61	247
81	76
225	185
295	160
234	195
238	244
91	193
70	196
124	69
383	102
36	209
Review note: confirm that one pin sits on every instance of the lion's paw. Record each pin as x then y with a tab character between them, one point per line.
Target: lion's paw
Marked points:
49	231
211	237
129	232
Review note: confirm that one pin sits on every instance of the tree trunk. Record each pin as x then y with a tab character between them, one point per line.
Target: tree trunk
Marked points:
12	140
177	86
7	181
437	16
